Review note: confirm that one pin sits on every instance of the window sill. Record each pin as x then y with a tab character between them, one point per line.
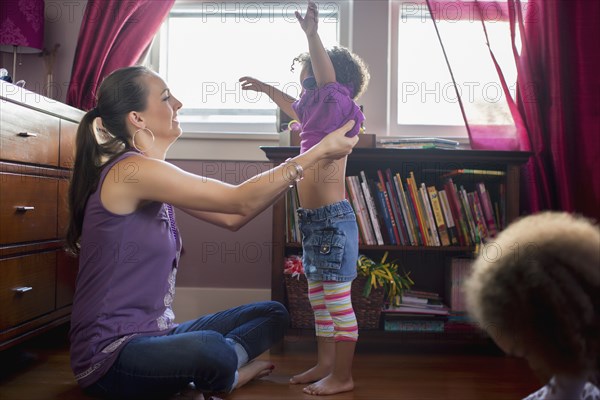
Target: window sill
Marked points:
222	146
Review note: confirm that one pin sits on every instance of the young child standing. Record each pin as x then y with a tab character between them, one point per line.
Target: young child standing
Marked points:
331	80
539	298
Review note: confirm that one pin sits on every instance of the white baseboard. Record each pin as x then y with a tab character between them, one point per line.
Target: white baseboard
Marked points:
192	302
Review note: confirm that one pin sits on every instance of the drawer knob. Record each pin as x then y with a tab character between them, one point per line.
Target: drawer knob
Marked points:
25	208
23	289
27	134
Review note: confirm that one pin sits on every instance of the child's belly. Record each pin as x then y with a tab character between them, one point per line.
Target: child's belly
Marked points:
323	184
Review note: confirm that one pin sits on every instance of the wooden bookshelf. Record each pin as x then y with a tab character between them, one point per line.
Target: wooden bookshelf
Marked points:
427	264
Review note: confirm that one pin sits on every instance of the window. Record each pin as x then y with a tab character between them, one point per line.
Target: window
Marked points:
205	47
423	97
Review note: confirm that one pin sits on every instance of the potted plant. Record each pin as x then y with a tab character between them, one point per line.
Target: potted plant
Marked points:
384	274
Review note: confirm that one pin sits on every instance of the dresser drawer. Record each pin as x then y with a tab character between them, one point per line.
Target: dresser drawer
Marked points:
27	208
27	288
68	131
27	135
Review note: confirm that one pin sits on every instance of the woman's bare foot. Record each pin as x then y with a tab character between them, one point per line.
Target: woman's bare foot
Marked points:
314	374
329	385
253	370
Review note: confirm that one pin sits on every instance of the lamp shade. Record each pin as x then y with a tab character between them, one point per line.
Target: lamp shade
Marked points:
22	25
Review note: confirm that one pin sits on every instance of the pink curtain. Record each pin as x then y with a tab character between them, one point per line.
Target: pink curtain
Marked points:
491	115
559	98
555	110
114	34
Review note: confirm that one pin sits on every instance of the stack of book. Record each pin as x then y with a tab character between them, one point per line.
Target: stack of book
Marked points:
419	311
418	143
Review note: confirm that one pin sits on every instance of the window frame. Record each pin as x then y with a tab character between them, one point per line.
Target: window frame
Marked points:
235	129
394	128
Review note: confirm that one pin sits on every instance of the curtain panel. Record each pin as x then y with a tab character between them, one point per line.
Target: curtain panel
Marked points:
554	111
559	98
113	34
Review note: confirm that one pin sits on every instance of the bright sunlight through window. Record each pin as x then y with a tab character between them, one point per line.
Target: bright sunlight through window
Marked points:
426	94
207	47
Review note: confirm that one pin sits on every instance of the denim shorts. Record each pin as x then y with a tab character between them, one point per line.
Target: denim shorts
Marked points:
329	242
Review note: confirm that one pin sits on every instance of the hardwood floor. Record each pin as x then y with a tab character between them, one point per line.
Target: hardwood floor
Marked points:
39	369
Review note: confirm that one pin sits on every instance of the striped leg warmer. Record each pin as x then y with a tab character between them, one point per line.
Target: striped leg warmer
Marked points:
339	305
323	321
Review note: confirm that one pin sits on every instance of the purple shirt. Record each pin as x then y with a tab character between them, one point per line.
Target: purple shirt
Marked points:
126	280
322	110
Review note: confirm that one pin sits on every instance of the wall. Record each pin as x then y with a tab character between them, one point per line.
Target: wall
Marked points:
62	23
217	257
220	269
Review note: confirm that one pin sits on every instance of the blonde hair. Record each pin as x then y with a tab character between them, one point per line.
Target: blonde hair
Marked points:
538	283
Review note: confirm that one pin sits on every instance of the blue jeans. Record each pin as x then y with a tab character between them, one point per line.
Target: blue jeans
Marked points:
329	242
196	351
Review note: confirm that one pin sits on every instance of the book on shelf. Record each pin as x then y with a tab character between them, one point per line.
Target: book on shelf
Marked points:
450	224
412	189
401	194
413	325
409	300
417	309
467	171
477	211
431	225
462	228
360	209
438	215
383	186
418	143
386	219
370	202
421	293
292	228
488	210
418	233
461	322
466	208
396	208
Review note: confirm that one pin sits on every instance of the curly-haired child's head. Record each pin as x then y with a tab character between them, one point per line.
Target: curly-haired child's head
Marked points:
536	290
349	68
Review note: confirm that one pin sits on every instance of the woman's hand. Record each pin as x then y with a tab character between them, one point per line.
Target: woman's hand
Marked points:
336	145
310	22
249	83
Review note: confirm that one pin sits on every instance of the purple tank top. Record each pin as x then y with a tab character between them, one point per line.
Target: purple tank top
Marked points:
322	110
126	280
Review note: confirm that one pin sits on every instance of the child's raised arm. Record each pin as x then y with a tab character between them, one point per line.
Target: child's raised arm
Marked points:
321	63
282	99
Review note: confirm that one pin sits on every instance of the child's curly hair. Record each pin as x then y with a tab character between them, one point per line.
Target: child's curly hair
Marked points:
541	290
349	68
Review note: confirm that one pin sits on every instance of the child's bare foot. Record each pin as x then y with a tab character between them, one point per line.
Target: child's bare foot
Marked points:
254	370
329	385
314	374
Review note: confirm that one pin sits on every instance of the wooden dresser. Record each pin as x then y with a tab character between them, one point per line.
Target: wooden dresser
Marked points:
37	278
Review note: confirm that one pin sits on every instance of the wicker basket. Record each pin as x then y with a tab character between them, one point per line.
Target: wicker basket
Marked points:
367	309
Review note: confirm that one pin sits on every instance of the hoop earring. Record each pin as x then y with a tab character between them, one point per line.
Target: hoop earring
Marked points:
133	139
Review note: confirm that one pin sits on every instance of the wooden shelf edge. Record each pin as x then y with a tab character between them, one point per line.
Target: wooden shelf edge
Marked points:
453	249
